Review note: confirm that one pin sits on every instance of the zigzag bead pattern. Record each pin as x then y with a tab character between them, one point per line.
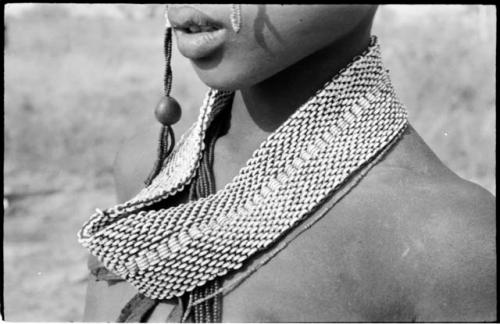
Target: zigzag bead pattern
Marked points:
167	252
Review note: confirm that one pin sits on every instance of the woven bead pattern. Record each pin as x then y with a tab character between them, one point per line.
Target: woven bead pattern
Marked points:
167	252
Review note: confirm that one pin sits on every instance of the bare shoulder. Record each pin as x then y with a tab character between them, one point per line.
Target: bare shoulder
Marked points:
134	160
411	242
136	157
428	240
455	248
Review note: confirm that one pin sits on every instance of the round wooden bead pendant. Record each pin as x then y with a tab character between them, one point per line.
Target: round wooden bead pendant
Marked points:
168	111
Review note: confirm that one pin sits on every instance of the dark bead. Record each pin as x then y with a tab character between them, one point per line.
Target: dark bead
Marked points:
168	111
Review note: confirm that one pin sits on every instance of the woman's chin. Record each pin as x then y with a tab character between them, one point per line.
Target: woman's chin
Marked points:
214	73
221	81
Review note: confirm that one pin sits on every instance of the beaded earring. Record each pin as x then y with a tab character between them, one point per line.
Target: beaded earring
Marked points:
168	111
236	17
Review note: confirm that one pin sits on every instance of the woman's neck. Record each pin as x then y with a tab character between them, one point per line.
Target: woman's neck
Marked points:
260	109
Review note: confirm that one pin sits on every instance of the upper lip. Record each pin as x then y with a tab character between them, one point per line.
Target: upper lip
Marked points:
189	19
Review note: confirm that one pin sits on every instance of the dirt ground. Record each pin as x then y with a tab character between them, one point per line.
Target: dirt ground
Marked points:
45	268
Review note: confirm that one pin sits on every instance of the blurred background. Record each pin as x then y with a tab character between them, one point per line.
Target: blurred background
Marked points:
79	79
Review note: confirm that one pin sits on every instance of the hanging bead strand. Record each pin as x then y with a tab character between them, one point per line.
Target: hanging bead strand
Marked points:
167	112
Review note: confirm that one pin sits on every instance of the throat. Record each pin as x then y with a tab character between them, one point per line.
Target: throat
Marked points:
263	107
259	110
231	154
244	135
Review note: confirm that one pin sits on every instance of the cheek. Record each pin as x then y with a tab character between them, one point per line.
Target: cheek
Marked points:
235	70
273	38
245	61
265	45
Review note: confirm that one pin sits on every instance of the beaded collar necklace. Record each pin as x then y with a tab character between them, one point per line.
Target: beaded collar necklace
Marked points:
306	161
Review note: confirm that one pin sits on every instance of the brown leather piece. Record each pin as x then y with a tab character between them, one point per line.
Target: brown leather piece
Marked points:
137	309
100	272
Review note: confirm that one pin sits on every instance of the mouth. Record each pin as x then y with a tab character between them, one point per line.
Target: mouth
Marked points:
198	35
191	27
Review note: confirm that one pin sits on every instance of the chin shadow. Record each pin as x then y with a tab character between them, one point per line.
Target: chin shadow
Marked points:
206	69
211	61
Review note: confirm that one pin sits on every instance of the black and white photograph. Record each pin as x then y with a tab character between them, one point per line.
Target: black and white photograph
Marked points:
244	163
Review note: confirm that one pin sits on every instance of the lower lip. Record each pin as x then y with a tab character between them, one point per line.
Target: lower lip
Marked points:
200	45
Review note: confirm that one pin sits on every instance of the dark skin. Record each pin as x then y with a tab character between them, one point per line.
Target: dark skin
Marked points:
411	242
